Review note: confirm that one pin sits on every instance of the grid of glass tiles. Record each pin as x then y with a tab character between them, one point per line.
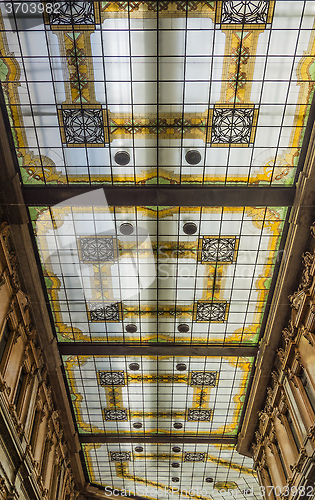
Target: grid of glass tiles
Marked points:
203	394
158	277
158	84
152	469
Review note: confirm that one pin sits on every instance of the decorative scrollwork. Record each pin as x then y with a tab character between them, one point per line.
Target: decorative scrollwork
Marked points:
194	457
111	313
301	460
115	415
296	299
269	398
307	278
232	125
120	456
111	378
204	378
289	333
244	11
199	415
83	126
97	249
263	416
211	311
281	355
71	12
218	249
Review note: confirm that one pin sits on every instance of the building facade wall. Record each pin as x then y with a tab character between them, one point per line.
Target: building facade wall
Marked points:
34	459
284	444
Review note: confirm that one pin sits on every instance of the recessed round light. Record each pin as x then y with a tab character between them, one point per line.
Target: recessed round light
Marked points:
181	367
134	366
131	328
178	425
176	449
138	449
183	328
189	228
137	425
123	158
126	228
209	480
193	157
175	465
175	479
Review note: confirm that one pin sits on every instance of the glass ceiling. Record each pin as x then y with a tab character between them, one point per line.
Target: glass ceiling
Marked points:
216	281
159	82
159	310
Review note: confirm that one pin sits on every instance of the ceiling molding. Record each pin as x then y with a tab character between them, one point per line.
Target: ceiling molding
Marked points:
301	218
160	349
193	196
155	438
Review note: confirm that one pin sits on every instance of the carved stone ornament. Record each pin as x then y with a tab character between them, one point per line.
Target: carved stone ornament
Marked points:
261	470
307	278
296	299
3	385
281	355
2	485
16	336
311	432
279	416
312	229
14	276
292	377
254	448
308	336
290	332
263	461
270	445
258	437
2	278
25	354
301	460
30	332
263	416
268	406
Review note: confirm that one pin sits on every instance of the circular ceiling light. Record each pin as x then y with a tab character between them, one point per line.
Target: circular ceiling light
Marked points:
189	228
175	479
131	328
181	367
183	328
176	449
137	425
122	157
175	465
138	449
178	425
134	366
193	157
126	228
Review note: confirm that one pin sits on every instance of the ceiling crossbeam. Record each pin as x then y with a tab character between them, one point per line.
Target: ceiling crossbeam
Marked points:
155	438
154	349
233	196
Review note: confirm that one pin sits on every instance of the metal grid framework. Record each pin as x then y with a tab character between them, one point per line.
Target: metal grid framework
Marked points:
156	281
159	394
189	93
159	79
152	470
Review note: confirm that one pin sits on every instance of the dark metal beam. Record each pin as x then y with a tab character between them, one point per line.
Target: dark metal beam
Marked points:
156	438
167	195
154	349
